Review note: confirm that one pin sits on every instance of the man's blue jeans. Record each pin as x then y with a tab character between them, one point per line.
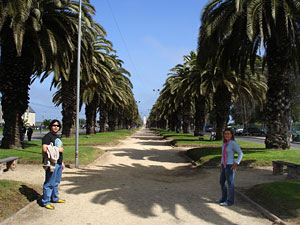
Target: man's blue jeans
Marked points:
227	175
50	188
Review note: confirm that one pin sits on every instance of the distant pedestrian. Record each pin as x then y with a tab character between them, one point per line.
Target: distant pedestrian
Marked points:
23	133
29	133
41	128
228	167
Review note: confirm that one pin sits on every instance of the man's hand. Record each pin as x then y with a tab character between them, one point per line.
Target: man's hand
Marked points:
234	166
60	149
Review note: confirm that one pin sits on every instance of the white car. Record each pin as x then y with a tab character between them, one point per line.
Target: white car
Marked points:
239	131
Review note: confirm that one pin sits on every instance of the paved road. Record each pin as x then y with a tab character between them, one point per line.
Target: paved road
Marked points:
143	181
262	140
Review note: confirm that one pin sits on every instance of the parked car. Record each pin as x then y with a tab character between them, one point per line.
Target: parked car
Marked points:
209	128
254	131
239	131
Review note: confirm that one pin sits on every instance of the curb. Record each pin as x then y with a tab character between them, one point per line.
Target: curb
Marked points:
21	211
262	210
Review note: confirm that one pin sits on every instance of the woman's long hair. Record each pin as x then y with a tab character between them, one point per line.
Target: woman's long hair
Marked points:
231	131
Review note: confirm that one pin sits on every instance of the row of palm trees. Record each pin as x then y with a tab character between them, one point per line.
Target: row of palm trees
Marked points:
39	38
233	36
191	95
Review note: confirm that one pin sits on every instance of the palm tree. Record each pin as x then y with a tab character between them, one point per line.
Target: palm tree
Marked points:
242	28
30	33
91	65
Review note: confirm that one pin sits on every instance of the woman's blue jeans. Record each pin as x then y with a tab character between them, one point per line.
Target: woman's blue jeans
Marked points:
50	188
227	174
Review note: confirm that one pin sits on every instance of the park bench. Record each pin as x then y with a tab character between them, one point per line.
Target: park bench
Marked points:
293	169
11	163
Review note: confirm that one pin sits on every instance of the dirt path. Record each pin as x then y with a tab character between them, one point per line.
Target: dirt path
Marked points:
141	181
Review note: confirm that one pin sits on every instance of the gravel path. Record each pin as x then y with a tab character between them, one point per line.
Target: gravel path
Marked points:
141	181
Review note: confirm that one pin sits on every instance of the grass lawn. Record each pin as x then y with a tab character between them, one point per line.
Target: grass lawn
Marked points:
281	198
16	195
32	152
208	153
105	138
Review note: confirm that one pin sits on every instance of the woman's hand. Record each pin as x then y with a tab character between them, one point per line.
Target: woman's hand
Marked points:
234	166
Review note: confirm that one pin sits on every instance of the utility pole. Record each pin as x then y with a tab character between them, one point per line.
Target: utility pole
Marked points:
78	87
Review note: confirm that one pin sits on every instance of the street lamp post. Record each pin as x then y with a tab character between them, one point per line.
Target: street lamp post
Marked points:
78	87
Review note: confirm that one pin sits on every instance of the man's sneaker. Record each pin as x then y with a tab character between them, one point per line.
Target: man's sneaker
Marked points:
219	201
60	201
225	204
49	207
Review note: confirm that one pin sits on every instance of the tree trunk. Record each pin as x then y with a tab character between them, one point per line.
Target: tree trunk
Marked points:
103	116
15	73
90	113
278	96
69	104
111	121
199	115
186	118
222	100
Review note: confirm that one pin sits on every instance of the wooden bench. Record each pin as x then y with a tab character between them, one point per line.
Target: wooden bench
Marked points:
293	169
11	163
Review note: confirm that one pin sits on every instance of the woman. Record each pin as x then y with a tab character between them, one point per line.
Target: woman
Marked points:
52	180
228	167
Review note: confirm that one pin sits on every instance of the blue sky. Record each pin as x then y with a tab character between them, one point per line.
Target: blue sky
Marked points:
150	37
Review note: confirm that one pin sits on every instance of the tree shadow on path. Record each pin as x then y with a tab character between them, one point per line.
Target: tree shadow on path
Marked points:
147	191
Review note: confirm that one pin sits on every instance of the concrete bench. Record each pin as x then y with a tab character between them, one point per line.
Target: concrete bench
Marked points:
11	163
293	170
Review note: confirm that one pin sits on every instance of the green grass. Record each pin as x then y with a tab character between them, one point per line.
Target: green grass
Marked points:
32	152
281	198
105	138
16	195
208	153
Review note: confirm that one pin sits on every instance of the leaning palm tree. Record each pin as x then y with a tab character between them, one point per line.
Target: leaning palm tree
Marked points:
243	27
35	38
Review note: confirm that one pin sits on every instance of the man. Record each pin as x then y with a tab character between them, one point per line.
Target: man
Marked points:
29	133
52	180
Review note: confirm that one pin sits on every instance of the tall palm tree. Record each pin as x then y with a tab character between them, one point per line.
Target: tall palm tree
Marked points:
243	27
92	63
35	38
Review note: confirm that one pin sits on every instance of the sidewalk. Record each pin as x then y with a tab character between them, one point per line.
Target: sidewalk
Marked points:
142	181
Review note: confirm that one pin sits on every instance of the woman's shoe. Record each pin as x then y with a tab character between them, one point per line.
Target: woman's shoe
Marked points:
225	204
60	201
219	201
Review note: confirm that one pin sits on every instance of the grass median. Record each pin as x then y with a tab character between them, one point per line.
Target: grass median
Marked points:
281	198
15	195
88	152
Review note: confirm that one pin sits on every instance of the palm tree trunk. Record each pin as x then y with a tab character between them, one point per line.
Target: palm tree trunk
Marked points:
68	104
278	96
222	100
111	121
103	116
199	115
15	73
90	113
186	119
